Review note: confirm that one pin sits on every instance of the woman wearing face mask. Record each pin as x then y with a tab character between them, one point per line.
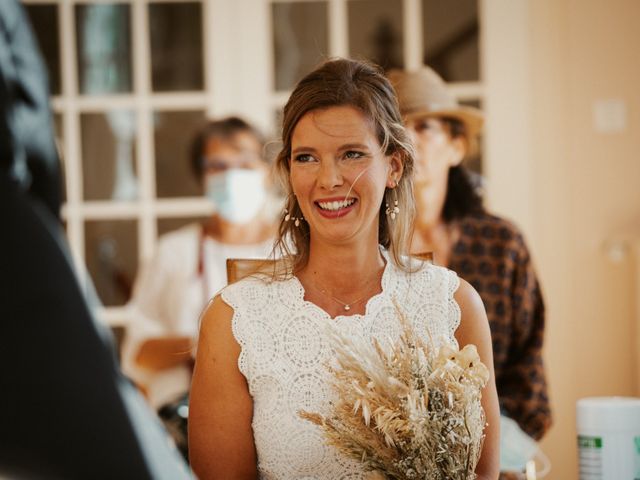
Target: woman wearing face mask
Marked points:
487	251
263	346
189	266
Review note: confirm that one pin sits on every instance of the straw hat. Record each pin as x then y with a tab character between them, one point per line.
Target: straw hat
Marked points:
424	93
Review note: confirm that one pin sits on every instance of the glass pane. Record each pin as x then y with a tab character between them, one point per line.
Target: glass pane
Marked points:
451	32
474	161
176	46
173	134
111	253
44	19
166	225
58	130
300	40
274	142
59	138
375	31
108	155
103	36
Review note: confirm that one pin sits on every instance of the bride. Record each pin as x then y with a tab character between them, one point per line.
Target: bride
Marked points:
347	163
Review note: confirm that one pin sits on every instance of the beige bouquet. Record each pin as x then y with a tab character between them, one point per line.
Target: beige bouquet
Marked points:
405	410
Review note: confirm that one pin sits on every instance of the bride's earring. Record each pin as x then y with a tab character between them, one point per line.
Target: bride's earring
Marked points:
289	217
392	211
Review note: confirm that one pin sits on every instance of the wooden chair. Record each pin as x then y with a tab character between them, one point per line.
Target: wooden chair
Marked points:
238	268
424	256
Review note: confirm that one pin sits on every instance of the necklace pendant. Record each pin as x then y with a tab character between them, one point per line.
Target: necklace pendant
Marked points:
347	308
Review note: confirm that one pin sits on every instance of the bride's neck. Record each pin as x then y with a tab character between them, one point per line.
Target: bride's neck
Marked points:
344	268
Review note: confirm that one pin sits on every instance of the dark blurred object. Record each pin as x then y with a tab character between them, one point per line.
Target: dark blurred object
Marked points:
65	410
27	149
175	416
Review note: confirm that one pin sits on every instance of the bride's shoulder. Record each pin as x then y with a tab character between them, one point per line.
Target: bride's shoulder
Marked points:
246	288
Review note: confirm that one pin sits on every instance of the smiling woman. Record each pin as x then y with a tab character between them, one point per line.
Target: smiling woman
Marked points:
322	99
265	341
339	173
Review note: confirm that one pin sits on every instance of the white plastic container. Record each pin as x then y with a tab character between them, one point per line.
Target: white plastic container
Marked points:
609	438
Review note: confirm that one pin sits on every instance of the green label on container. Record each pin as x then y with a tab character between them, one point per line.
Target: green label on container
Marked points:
590	457
591	442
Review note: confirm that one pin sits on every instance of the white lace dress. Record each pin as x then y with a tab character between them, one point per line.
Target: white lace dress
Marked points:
285	349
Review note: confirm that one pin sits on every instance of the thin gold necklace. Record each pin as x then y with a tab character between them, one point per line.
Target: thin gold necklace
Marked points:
345	305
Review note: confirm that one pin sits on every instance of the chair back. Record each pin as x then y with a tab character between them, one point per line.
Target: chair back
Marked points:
238	268
424	256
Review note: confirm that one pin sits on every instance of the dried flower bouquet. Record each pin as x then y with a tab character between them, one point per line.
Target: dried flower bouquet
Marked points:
405	410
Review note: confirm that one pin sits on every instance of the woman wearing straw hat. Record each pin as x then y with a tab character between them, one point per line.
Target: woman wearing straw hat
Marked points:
487	251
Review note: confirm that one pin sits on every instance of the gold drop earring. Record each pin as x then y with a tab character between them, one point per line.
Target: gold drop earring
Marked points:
393	211
289	217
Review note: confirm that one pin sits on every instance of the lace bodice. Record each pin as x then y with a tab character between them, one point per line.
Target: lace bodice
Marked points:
285	348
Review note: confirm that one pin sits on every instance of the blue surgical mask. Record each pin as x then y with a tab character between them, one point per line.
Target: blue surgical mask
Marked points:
237	194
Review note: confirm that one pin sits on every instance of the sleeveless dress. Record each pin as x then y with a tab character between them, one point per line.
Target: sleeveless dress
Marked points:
285	347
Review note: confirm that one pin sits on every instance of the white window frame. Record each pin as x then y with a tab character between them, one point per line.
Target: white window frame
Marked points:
237	50
412	47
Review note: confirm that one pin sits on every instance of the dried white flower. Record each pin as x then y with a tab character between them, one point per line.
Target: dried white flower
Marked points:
406	410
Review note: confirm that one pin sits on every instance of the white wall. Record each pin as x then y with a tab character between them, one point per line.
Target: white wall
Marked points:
572	188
